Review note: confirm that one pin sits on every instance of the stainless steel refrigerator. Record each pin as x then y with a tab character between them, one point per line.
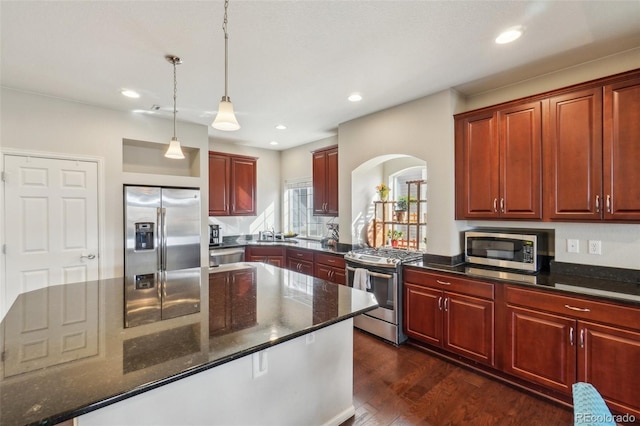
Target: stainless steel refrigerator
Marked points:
162	253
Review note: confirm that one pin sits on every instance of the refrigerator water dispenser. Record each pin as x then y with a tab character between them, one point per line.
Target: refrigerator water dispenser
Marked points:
144	236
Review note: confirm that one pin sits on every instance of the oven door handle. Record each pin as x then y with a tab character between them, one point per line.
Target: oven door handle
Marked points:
373	274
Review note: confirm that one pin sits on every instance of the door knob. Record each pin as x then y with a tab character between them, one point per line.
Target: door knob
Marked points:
89	256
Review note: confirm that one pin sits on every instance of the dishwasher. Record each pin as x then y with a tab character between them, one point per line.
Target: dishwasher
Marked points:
219	257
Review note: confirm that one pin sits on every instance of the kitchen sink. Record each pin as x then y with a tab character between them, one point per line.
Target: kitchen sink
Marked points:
273	242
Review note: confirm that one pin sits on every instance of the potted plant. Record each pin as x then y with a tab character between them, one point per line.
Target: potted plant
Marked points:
394	236
383	191
402	206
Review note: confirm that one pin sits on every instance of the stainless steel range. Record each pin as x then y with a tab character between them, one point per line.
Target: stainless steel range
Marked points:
379	270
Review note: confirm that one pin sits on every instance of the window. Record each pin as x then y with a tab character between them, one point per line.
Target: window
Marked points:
298	210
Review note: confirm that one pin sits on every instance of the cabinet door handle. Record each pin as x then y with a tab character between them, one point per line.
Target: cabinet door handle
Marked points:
573	308
495	205
502	205
440	303
443	282
597	203
446	303
608	203
582	339
571	336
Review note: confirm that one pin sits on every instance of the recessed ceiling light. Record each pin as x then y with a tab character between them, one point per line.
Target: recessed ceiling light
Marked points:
509	35
130	93
281	127
273	143
355	97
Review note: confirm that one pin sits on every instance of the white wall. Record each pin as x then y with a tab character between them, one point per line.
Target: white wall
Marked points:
34	123
422	129
268	192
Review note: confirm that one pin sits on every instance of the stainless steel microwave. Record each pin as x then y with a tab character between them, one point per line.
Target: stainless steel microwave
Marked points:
504	249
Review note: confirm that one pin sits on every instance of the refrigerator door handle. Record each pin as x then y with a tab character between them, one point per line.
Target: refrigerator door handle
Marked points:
159	239
164	239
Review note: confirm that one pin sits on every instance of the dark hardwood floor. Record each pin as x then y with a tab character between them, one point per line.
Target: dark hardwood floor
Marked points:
405	386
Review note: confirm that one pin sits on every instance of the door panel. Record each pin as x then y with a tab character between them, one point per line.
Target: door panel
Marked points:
423	313
182	226
621	150
468	327
51	213
608	358
553	365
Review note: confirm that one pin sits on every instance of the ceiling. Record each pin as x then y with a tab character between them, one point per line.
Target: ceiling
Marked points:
295	62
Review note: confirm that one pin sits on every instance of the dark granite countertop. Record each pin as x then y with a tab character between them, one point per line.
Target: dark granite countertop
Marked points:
621	287
314	245
106	362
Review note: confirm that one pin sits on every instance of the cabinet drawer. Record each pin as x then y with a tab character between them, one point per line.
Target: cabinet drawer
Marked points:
575	307
449	283
330	260
300	254
264	251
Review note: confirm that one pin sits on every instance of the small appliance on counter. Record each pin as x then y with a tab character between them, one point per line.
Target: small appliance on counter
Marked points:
215	235
520	249
333	239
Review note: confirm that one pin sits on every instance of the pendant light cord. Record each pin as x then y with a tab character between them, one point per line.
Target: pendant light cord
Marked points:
175	91
226	50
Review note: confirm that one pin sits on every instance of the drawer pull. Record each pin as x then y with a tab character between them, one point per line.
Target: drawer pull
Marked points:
573	308
331	261
443	282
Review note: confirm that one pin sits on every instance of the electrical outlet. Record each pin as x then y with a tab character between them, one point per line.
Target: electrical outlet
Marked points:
595	247
573	246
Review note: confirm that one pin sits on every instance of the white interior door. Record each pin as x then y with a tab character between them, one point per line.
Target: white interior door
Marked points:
51	223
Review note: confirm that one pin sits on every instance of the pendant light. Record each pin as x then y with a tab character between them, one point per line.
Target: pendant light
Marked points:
226	119
174	150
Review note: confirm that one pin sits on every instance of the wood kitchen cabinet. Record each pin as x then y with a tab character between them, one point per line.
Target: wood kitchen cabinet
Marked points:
621	150
232	185
330	267
555	341
499	162
573	156
232	300
592	154
273	255
325	182
300	260
453	313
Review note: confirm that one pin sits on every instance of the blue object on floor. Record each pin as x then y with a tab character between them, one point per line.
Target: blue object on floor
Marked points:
589	409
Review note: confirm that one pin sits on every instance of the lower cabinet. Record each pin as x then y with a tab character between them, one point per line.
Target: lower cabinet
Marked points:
330	267
556	341
300	260
452	313
273	255
232	300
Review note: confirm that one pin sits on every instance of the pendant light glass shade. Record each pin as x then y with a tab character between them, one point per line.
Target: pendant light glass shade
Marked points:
226	119
174	151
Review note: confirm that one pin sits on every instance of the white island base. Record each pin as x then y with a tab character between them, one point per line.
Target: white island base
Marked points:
304	381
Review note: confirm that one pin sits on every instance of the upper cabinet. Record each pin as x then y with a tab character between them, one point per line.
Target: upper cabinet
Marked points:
232	185
499	162
325	182
573	156
621	150
589	135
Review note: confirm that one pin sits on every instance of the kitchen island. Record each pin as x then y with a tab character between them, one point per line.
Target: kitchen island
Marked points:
268	346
